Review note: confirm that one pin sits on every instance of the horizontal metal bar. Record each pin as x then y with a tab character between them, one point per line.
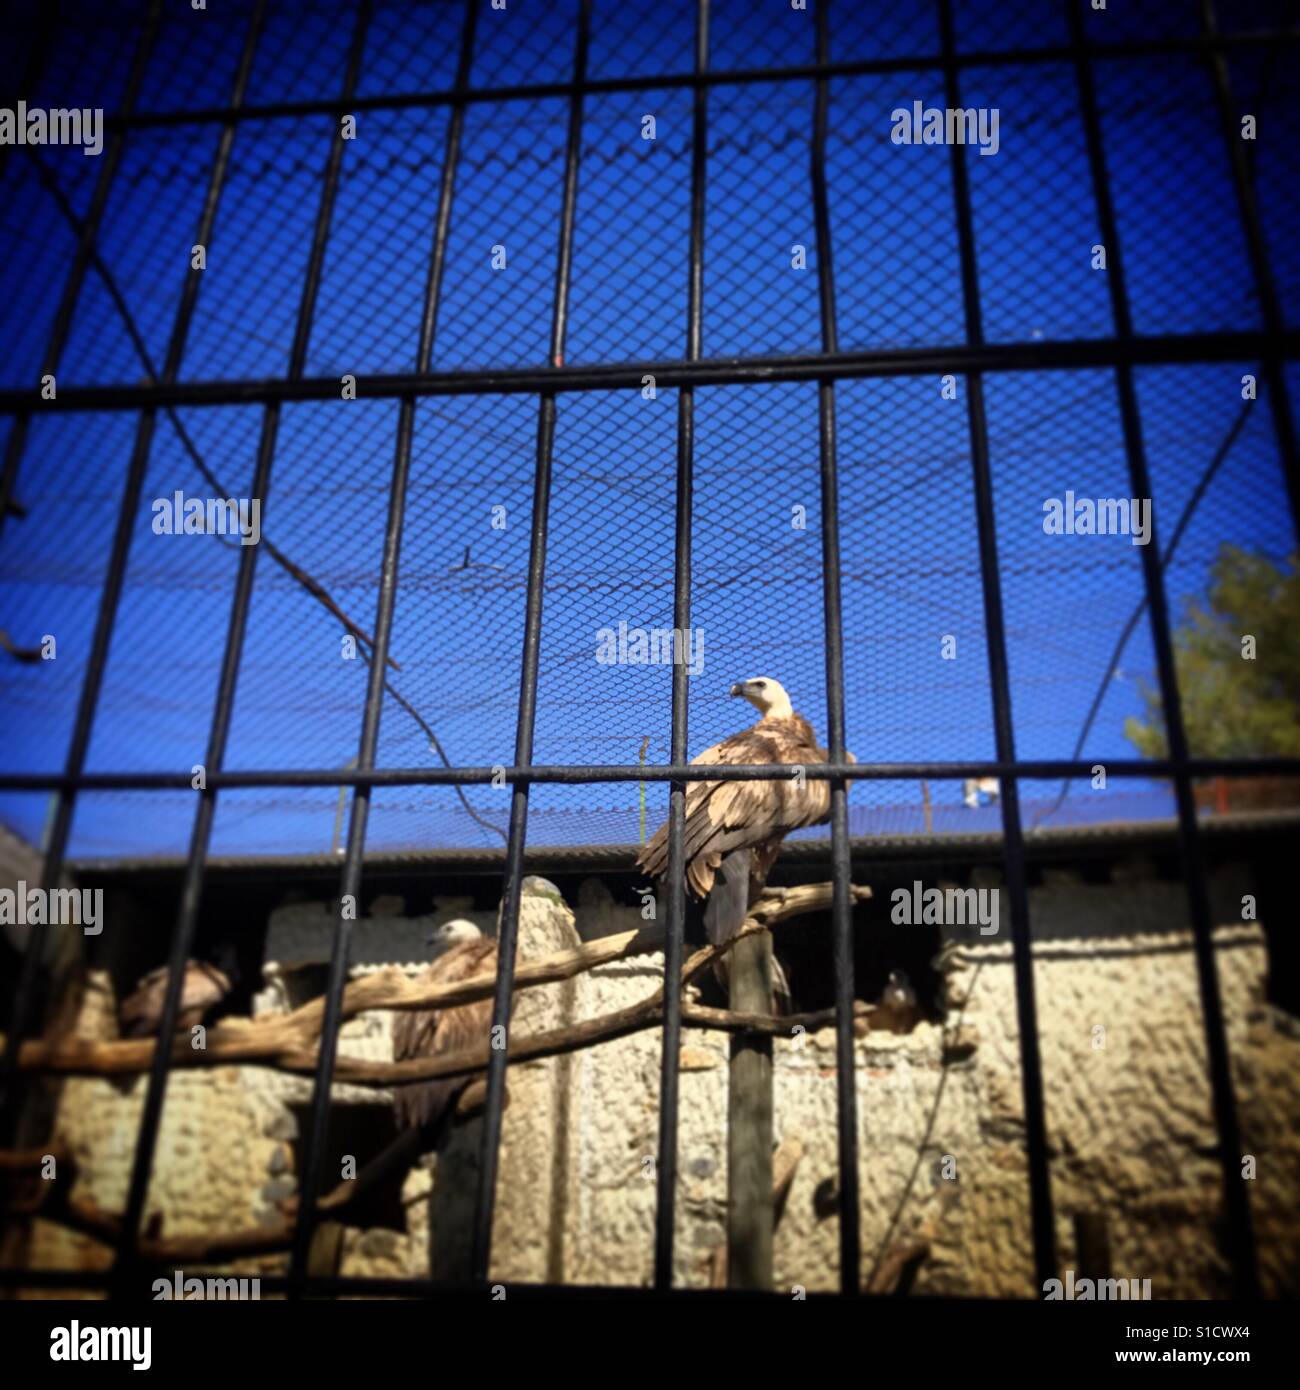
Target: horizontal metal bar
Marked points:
394	1286
802	72
614	772
1170	348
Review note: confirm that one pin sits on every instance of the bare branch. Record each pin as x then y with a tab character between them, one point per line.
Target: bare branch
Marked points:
290	1041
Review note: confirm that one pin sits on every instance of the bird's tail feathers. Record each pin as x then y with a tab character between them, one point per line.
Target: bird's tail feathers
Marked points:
729	901
427	1105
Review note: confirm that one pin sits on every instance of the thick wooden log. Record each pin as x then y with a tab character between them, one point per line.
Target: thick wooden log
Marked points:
749	1122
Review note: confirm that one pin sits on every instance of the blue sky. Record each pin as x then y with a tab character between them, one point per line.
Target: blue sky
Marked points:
908	533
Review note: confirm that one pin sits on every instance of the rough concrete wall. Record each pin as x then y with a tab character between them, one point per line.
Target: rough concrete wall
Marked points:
1128	1110
611	1231
222	1153
1128	1105
1128	1113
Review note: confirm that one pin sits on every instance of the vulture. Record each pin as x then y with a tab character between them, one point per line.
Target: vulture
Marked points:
734	829
897	1010
462	952
204	987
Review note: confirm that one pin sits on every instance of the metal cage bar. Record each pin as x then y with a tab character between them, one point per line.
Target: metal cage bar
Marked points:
314	1153
508	930
14	447
846	1099
1031	1066
62	325
1239	1236
39	51
981	58
115	575
973	358
674	943
192	888
1048	768
1043	355
1257	248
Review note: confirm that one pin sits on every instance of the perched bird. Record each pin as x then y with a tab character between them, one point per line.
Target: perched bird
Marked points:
734	829
975	787
462	952
897	1010
204	987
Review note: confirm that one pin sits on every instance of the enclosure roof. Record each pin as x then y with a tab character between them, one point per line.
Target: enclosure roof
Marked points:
1111	835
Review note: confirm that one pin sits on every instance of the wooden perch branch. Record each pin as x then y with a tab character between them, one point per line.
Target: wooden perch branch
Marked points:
290	1041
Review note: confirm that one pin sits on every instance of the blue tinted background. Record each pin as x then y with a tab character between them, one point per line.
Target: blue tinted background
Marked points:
909	539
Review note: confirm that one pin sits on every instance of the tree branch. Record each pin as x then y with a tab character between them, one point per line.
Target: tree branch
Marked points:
281	1041
290	1041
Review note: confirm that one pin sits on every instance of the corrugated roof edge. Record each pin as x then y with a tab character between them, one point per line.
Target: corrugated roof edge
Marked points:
622	858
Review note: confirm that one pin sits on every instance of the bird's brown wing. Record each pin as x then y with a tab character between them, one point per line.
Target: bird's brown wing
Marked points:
722	816
437	1032
202	989
141	1009
204	986
737	748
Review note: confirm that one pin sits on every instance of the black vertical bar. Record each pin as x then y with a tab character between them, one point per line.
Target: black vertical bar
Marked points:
62	325
666	1165
841	908
507	939
1031	1069
1257	248
43	34
114	580
192	888
1239	1234
314	1153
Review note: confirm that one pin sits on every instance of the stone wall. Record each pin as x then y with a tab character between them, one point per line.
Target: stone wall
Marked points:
940	1110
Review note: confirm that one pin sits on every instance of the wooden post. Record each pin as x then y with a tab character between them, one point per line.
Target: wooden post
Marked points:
925	806
749	1123
325	1254
1092	1241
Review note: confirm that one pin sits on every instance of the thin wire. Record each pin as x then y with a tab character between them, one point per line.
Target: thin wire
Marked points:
1135	617
1262	95
309	582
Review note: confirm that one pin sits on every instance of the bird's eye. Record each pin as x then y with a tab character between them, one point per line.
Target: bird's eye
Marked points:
762	685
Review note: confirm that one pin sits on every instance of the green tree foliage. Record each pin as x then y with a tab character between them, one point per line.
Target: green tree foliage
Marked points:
1234	707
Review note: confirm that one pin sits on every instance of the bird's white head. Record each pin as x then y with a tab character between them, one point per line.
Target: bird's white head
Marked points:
766	695
453	933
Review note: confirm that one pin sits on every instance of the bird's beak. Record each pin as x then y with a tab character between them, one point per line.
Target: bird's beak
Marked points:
738	689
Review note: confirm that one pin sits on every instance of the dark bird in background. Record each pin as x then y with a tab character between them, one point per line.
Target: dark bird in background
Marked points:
206	984
734	829
462	952
897	1010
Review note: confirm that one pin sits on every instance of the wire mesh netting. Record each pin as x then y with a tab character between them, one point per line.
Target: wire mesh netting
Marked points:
499	338
916	661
